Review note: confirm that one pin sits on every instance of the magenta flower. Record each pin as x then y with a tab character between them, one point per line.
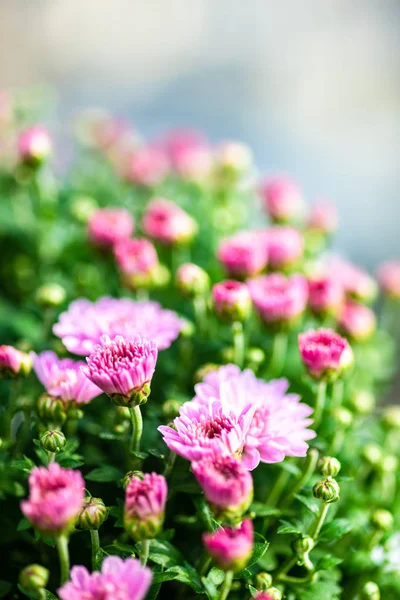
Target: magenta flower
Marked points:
263	596
147	166
232	301
325	354
226	484
63	378
82	326
34	145
145	501
137	259
243	255
357	321
56	497
167	223
123	369
118	580
231	548
326	295
13	362
282	199
108	226
189	153
389	279
284	246
324	217
279	299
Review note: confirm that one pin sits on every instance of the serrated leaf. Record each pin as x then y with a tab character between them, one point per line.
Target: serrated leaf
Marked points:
140	455
100	556
165	554
308	503
335	530
104	474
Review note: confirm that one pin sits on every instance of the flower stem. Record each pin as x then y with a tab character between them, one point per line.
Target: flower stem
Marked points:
319	403
316	529
337	393
200	313
144	553
63	554
309	467
94	538
169	464
137	428
279	348
238	343
51	457
226	586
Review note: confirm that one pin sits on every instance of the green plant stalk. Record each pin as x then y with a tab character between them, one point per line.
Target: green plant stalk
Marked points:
226	586
309	468
169	464
238	343
337	394
319	521
95	541
200	314
144	553
278	356
137	428
51	457
319	403
63	554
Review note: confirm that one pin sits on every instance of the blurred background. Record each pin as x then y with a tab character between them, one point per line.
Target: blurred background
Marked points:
313	87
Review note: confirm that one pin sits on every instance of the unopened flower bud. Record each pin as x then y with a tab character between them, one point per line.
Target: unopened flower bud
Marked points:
83	207
373	454
51	409
144	509
255	356
232	301
325	354
53	440
161	276
170	408
343	417
362	401
329	466
370	591
204	370
391	417
272	593
327	490
382	519
50	295
263	581
93	514
14	363
129	476
191	280
303	545
230	547
34	578
188	328
34	145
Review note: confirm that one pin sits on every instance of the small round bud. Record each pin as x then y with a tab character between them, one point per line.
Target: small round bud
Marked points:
362	401
255	356
50	295
51	409
327	490
191	280
373	454
53	440
93	514
161	276
14	364
83	207
329	466
303	545
370	591
389	464
170	408
232	301
129	476
382	519
228	355
263	581
188	328
391	417
204	370
343	417
34	146
33	578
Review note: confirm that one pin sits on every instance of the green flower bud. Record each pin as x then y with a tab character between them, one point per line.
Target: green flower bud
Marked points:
161	276
327	490
50	295
83	207
370	591
53	440
343	417
373	454
263	581
255	356
391	417
274	593
188	328
382	519
129	476
191	280
51	409
204	370
303	545
389	464
329	466
170	408
136	399
93	514
228	355
362	402
34	578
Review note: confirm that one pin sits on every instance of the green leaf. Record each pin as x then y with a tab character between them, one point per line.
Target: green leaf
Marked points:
5	587
205	513
23	524
308	503
100	556
104	474
335	530
261	510
328	562
259	549
287	527
165	554
189	576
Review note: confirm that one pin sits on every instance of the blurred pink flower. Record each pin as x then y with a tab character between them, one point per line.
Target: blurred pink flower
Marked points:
13	362
34	145
389	278
145	501
324	217
232	300
147	166
188	151
284	246
243	255
357	283
55	500
136	256
325	354
233	157
191	280
63	378
108	226
83	324
326	295
357	321
279	299
231	547
119	579
167	223
282	199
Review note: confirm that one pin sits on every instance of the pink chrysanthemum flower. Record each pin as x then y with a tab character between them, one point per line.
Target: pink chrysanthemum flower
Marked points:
204	429
167	223
63	378
357	283
145	501
108	226
118	580
136	257
232	301
324	217
282	199
326	295
230	547
13	362
357	321
233	157
56	497
243	255
34	145
284	246
226	484
82	326
389	279
279	424
146	166
325	354
263	596
122	368
188	152
279	299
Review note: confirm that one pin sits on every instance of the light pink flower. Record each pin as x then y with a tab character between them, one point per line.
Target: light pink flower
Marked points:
243	255
284	246
13	362
188	151
357	321
145	501
108	226
325	354
231	547
122	368
146	166
34	145
233	157
167	223
324	217
279	299
282	199
232	301
389	279
118	580
136	256
226	484
326	295
279	424
192	280
82	326
55	500
357	283
63	378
